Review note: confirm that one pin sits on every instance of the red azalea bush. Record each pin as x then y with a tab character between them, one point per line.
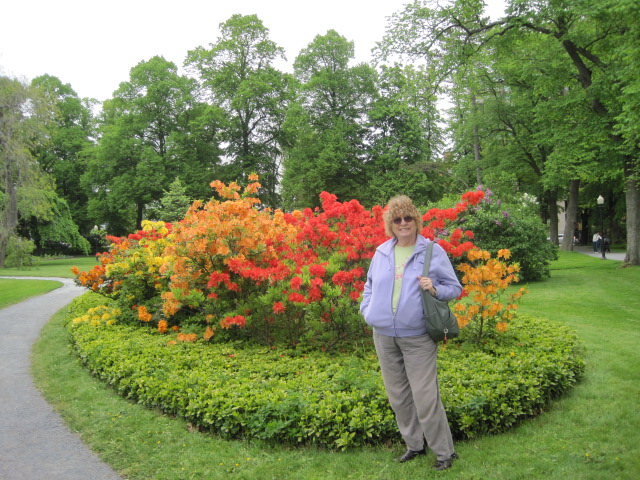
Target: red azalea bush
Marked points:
232	269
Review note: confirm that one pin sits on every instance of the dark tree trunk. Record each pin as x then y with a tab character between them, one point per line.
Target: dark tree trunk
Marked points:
552	208
633	214
571	215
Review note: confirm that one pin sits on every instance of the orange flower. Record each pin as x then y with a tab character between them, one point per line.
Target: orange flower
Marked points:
143	314
163	326
502	326
208	334
504	253
187	337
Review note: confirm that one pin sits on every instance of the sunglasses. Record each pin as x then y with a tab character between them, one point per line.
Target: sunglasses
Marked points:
406	219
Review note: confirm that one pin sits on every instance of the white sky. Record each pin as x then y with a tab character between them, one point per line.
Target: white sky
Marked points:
93	44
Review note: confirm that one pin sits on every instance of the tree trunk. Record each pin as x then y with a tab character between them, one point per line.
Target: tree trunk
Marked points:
552	207
571	215
632	193
139	213
476	143
3	248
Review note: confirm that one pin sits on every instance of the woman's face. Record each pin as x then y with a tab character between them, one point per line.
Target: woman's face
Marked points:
405	229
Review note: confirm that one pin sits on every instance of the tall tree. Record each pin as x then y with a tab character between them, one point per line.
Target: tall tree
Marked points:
69	135
133	162
404	139
238	75
593	36
529	121
23	185
327	126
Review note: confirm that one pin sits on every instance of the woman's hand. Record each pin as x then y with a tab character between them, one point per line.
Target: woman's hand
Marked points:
427	285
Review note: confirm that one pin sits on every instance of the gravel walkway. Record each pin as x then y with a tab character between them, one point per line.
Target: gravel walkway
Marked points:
35	444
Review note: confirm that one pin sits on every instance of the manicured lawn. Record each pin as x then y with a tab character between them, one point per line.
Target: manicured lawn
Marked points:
591	433
52	268
14	291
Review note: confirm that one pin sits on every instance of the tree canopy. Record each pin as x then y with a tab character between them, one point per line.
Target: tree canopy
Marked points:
542	101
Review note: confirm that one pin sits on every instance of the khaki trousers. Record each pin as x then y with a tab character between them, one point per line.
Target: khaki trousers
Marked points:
410	378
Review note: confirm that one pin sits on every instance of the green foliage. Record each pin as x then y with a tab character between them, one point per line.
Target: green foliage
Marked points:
174	203
335	401
324	127
70	134
134	160
60	233
24	117
19	252
237	74
516	227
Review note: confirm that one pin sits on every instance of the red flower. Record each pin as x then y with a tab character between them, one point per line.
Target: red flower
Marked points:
315	294
317	270
296	298
295	283
473	197
228	322
278	307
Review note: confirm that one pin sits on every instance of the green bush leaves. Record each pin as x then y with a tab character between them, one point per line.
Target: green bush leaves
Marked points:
337	400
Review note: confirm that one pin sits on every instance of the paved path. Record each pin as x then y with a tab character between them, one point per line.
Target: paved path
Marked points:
588	250
35	444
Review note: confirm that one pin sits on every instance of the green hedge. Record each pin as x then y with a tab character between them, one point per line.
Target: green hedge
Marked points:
330	400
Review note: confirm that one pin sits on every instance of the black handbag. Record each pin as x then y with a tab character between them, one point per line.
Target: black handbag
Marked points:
442	324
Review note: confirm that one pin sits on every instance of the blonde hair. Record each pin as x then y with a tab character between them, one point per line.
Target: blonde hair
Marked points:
400	206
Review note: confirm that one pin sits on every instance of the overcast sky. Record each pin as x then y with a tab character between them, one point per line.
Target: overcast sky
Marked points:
92	44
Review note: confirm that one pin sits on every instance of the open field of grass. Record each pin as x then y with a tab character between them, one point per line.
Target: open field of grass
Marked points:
51	268
591	433
14	291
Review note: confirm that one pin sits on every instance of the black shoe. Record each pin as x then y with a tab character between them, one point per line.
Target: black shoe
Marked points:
445	464
411	454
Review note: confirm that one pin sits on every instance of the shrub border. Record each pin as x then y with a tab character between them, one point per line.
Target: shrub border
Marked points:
335	401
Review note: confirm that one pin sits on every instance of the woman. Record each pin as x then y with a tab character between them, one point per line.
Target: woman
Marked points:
392	306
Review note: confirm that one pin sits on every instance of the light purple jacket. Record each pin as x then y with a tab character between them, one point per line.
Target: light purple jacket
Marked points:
408	319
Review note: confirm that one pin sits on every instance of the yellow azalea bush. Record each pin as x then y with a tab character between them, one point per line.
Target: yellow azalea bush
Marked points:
99	316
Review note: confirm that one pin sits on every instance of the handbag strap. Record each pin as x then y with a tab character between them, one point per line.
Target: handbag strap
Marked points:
427	259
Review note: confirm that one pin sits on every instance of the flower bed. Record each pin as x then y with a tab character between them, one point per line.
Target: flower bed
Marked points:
333	400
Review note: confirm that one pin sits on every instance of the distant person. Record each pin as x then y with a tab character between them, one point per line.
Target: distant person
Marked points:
392	305
596	241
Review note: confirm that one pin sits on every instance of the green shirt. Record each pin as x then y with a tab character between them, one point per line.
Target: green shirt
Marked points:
401	255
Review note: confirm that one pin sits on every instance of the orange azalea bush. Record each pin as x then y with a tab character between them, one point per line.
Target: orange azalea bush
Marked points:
485	281
234	269
221	247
